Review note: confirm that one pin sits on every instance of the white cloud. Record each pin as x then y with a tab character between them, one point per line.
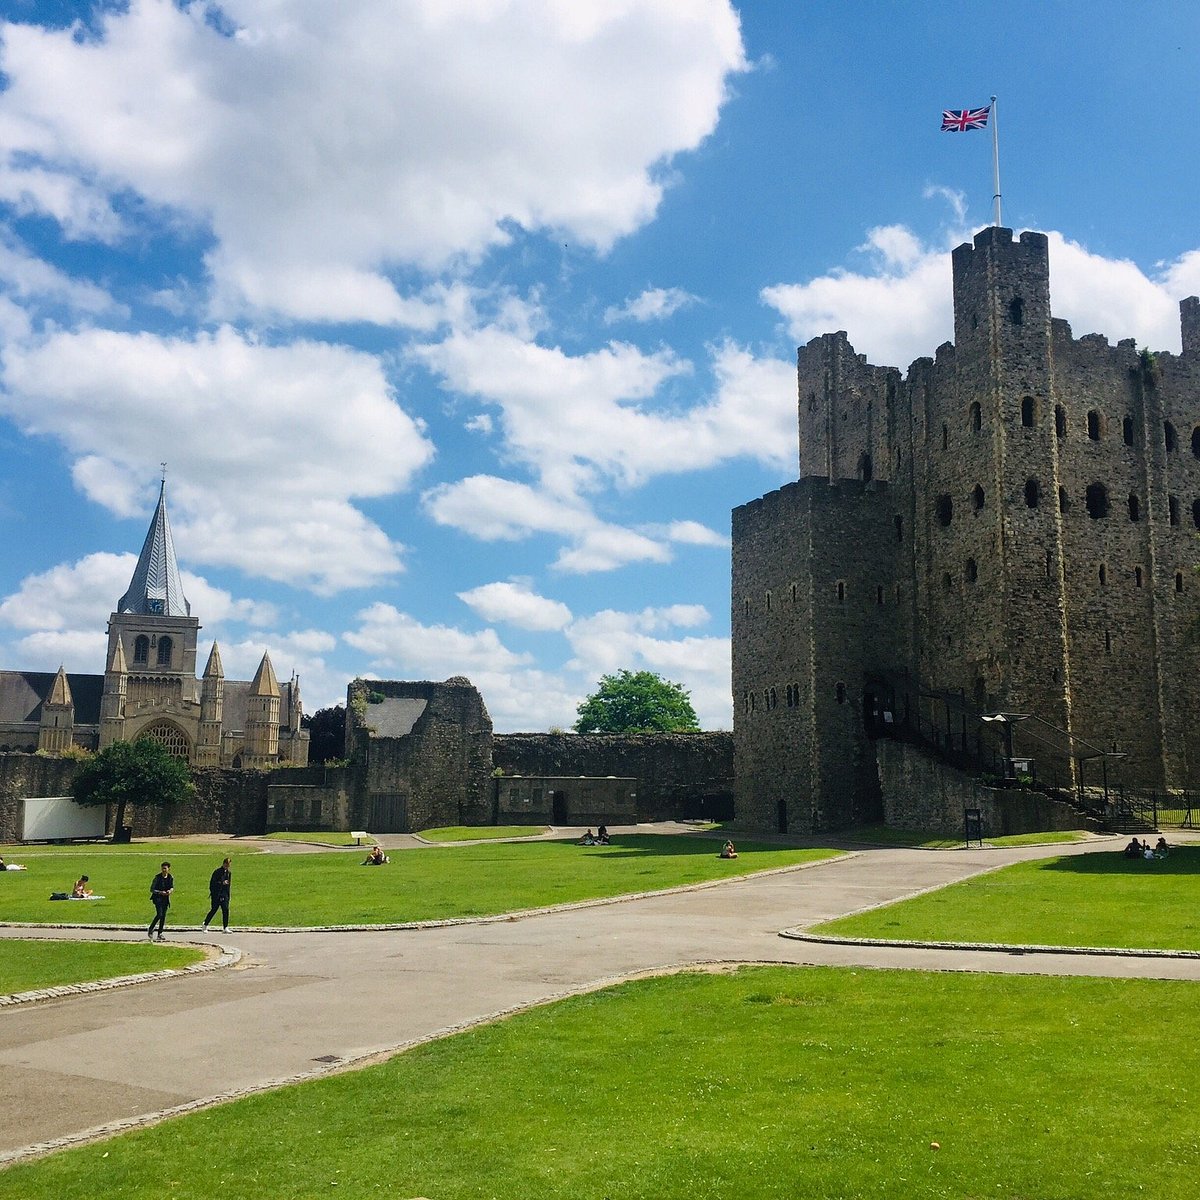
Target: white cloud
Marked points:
268	444
76	595
31	279
324	144
902	307
654	304
692	533
515	603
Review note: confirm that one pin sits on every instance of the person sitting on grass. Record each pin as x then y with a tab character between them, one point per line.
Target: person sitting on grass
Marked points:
1147	853
1134	849
1161	849
376	858
728	850
602	836
81	891
588	839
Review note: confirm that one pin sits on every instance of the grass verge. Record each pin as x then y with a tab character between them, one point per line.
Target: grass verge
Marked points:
781	1082
479	833
1097	899
29	964
333	889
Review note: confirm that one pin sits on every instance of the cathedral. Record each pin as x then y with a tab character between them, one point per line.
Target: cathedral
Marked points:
150	689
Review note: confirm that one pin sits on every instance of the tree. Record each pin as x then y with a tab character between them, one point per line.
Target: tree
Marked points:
142	772
637	702
326	734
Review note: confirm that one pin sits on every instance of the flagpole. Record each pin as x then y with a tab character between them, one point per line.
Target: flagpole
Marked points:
996	161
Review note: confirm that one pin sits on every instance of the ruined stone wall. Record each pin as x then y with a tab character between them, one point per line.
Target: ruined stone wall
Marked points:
679	775
437	773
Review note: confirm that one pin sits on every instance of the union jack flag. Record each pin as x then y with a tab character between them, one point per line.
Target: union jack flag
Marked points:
959	120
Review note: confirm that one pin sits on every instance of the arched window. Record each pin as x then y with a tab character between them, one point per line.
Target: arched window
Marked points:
1135	507
141	649
1170	440
1060	421
1093	425
1173	509
976	417
972	570
943	507
164	651
841	592
1097	500
977	497
1028	411
1127	430
170	736
1032	492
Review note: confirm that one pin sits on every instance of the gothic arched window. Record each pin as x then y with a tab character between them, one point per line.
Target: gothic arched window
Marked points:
141	649
164	651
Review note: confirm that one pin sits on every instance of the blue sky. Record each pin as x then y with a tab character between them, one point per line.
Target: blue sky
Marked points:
462	324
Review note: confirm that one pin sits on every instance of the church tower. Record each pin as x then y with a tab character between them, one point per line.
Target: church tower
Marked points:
212	704
57	732
155	633
262	718
112	702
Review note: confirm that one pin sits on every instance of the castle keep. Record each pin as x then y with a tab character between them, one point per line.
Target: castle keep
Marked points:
1014	523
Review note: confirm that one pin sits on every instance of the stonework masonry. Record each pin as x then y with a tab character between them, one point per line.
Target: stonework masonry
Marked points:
1013	522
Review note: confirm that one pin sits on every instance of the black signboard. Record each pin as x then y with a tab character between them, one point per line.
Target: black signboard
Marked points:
973	825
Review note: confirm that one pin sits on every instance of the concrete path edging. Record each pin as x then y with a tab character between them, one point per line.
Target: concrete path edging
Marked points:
799	935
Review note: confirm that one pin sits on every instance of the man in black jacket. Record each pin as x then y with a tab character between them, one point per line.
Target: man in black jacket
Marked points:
161	887
218	891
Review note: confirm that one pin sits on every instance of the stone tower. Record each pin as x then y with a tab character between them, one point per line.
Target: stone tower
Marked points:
57	731
212	705
262	718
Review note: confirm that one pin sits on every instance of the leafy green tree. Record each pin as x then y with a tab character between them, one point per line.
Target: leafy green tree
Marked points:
326	734
142	772
637	702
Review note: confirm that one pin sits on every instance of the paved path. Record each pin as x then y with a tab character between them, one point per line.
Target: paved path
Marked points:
301	1002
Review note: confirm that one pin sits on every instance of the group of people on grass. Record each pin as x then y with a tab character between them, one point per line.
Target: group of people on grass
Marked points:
1143	850
599	838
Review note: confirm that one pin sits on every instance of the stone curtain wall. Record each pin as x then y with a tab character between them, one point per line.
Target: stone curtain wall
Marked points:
924	794
226	801
24	775
679	775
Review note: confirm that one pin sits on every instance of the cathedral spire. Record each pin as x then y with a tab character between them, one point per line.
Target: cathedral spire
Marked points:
155	589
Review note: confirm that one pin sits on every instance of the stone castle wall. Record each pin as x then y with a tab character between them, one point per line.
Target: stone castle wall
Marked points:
679	776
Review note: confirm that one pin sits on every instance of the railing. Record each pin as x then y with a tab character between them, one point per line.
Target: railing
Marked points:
1137	810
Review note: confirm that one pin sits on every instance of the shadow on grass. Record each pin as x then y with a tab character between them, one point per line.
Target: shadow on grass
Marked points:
1183	860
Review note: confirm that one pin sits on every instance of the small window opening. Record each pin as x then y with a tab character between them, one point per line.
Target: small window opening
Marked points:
1049	562
1135	507
944	508
1016	310
865	470
841	693
899	520
1060	421
945	436
1179	581
747	604
1097	501
977	497
1064	500
1137	576
1173	509
1170	438
1196	441
972	570
1102	575
1027	412
1031	493
947	582
1196	513
1093	425
1107	642
841	592
879	594
1127	430
976	417
793	593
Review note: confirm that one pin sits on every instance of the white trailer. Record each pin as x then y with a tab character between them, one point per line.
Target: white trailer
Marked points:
59	818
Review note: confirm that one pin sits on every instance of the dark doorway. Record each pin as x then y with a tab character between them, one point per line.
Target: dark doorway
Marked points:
558	808
783	821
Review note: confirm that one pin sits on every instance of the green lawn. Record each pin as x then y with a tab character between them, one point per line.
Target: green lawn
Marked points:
333	889
1099	899
28	964
885	835
471	833
770	1082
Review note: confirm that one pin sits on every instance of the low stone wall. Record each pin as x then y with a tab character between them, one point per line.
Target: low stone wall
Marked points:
24	775
680	776
923	793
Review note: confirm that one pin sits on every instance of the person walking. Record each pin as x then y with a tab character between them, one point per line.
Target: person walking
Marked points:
161	887
219	883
